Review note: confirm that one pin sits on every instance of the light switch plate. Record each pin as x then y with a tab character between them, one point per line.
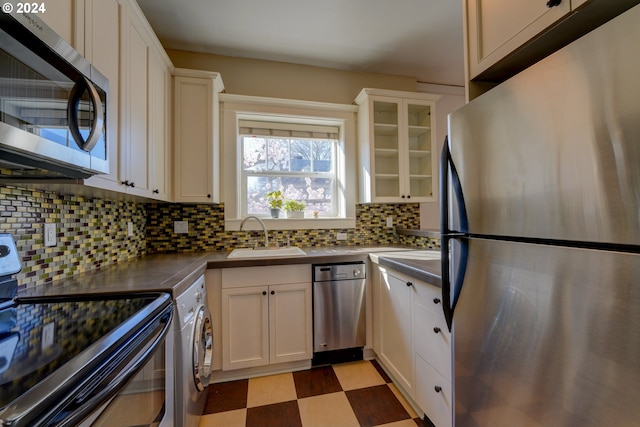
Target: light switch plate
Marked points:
50	234
180	227
48	333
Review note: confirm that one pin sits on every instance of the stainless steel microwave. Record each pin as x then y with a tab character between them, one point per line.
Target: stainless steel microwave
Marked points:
53	104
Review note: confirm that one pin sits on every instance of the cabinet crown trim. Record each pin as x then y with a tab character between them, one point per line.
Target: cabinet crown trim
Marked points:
361	98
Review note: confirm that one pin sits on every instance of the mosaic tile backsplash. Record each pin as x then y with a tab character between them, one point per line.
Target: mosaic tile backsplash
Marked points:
207	233
92	232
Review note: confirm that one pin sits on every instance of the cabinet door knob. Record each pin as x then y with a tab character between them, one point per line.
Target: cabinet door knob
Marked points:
156	191
208	196
264	292
436	330
408	196
403	196
125	182
436	300
553	3
133	184
409	283
438	389
273	292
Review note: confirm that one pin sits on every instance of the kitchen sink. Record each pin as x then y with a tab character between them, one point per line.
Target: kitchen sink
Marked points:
266	252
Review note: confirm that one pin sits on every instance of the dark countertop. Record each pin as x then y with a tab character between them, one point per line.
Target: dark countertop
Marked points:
174	272
421	265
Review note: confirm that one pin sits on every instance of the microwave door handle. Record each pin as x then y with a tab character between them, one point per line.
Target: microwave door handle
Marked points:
73	110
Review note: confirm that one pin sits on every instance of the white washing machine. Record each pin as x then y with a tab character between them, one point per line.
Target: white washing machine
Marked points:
193	354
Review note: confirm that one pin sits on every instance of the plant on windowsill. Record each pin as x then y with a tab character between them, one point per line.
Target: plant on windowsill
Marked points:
275	200
294	208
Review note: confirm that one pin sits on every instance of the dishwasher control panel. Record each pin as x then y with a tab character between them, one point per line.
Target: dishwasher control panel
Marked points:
331	272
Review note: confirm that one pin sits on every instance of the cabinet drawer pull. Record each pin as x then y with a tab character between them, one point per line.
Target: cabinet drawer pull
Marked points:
436	330
409	283
438	389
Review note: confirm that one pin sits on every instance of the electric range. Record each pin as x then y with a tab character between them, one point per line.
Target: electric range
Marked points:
63	360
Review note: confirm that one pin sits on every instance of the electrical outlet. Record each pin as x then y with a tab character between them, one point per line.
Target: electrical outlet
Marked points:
341	236
180	227
50	234
48	334
129	229
389	222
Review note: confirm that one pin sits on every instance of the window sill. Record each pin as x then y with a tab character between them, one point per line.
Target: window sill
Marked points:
292	224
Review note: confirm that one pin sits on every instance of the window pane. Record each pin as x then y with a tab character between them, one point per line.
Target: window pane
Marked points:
301	156
322	152
257	189
278	152
319	196
303	169
254	154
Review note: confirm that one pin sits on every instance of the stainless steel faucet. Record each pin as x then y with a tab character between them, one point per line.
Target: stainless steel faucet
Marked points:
264	228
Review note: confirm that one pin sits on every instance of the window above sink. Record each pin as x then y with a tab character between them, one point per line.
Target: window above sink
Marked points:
302	148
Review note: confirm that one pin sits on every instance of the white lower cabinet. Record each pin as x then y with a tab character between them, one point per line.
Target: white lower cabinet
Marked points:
266	316
433	394
413	343
395	329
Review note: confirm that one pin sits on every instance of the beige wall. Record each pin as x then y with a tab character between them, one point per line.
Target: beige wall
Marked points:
290	81
451	99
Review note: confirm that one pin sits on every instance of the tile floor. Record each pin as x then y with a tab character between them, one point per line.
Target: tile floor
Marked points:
355	394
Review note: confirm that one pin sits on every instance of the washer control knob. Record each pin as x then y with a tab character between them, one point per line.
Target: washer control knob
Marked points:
198	296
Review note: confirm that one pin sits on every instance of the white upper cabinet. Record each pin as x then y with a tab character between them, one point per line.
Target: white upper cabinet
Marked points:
61	18
159	128
101	47
396	146
144	104
134	141
196	136
92	28
504	37
116	38
497	28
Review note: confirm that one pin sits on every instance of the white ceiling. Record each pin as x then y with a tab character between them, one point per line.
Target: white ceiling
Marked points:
418	38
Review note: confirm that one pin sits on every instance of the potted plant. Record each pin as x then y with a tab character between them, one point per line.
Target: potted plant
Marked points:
275	200
294	208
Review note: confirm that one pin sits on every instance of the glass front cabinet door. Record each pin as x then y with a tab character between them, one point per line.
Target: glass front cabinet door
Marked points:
396	150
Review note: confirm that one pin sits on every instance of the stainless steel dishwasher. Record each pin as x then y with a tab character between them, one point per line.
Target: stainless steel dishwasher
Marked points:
338	312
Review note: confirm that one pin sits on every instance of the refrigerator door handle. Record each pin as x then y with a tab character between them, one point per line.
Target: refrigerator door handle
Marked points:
447	168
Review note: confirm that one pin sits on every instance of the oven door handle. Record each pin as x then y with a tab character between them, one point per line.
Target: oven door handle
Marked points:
114	377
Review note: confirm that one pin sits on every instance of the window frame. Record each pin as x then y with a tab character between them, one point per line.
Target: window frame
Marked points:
235	108
333	175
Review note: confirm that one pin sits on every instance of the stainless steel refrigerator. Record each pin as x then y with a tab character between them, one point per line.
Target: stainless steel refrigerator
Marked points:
540	187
